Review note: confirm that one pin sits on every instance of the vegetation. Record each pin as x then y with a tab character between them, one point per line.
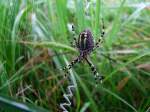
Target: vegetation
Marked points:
35	45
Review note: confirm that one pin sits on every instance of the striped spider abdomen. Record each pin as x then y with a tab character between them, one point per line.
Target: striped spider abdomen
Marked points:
85	43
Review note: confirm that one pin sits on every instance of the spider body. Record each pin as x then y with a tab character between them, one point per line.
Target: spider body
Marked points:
85	45
85	41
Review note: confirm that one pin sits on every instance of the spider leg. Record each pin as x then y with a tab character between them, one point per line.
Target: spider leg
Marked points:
101	36
98	77
68	67
74	43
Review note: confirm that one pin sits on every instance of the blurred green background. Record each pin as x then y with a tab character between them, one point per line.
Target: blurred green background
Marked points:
35	41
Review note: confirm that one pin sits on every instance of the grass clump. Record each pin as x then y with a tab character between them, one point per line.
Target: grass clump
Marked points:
35	45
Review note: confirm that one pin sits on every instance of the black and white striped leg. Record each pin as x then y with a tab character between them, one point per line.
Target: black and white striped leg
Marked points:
68	67
98	77
101	36
74	43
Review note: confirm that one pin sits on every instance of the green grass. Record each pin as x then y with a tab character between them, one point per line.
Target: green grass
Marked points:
35	46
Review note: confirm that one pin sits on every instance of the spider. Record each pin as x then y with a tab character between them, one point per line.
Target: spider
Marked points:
85	45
